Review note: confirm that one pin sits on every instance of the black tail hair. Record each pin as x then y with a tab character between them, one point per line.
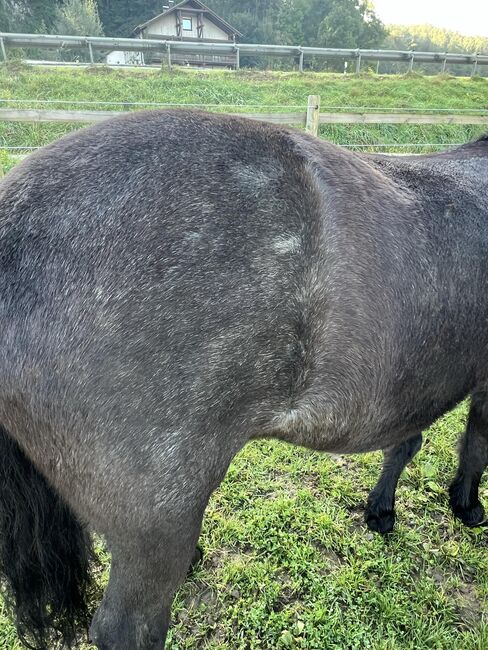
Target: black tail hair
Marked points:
45	555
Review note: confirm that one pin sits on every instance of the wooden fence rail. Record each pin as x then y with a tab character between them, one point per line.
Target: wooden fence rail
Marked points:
311	119
41	115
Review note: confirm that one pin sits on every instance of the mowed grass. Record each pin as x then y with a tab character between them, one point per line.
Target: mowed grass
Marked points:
288	561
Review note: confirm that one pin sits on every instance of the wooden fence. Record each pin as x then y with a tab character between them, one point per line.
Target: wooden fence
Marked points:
310	119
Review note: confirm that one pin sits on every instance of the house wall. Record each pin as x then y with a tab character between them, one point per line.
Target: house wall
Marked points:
166	25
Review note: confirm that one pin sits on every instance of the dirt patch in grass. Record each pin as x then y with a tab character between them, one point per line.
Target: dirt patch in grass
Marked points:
468	606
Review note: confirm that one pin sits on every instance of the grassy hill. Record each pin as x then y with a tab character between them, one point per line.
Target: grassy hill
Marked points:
288	561
223	90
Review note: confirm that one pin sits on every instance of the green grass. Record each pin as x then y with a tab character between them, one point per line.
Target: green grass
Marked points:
245	88
288	561
290	564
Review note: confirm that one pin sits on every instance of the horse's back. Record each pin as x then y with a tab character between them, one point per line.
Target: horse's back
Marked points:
152	272
181	267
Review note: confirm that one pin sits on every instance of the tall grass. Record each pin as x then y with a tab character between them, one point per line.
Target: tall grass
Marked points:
234	91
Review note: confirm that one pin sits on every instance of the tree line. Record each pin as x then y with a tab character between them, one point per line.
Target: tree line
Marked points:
316	23
326	23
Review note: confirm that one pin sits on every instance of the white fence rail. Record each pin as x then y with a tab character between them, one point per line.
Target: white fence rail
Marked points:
95	43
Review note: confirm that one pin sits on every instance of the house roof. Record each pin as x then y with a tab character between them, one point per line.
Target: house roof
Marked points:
192	4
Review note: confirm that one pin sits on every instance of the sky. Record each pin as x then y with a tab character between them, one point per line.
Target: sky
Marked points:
469	17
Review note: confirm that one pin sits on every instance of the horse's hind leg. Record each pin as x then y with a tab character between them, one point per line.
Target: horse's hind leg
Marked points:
147	568
380	511
160	506
473	460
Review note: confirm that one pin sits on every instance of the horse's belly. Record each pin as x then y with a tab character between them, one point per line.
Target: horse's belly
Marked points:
369	420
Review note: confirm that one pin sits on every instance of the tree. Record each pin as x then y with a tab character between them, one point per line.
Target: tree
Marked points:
433	39
79	17
28	15
427	38
8	15
351	24
346	23
299	20
120	17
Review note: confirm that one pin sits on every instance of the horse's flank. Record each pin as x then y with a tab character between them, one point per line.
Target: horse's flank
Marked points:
173	284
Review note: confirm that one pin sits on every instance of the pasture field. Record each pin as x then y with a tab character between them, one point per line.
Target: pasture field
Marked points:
224	90
288	561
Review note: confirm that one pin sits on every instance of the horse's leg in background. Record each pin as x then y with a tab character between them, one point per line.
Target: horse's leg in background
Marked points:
196	558
380	511
473	460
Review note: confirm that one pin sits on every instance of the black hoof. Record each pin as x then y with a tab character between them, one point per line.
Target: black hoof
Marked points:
380	521
196	559
465	505
471	515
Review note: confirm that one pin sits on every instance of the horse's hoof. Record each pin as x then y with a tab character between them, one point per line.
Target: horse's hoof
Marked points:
380	521
471	515
196	559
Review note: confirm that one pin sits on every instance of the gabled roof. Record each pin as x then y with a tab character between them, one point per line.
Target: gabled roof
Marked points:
193	4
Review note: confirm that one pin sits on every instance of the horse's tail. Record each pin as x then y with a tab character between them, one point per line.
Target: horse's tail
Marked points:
45	554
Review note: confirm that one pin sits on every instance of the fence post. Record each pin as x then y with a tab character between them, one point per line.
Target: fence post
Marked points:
475	66
90	50
168	47
358	63
238	58
4	51
410	65
301	60
313	114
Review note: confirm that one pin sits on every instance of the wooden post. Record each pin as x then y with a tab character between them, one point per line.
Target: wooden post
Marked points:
4	50
475	66
313	114
410	66
200	24
178	24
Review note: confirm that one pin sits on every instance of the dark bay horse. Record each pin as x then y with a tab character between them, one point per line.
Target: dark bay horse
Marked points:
175	284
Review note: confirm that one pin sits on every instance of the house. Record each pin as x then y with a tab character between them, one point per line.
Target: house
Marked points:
190	21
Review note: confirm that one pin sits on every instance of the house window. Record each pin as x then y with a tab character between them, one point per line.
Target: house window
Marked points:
187	24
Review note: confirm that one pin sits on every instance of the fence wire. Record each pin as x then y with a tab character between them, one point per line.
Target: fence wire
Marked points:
376	109
168	104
